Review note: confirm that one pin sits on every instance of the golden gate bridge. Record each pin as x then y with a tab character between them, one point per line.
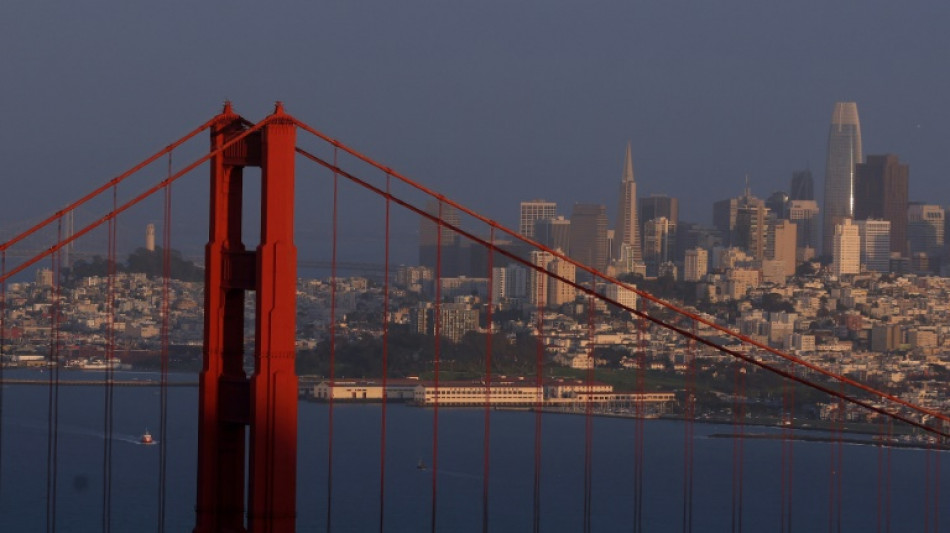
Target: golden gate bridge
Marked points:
247	476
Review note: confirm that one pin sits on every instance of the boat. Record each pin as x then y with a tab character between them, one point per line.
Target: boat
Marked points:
421	465
146	438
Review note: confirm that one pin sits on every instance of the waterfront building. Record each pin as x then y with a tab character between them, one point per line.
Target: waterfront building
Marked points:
844	152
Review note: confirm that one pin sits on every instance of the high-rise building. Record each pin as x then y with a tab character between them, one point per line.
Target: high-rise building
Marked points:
844	152
538	279
589	235
533	211
881	192
555	233
656	206
781	245
430	236
846	249
777	203
803	186
875	244
560	292
751	227
628	229
741	221
925	227
804	213
696	264
657	243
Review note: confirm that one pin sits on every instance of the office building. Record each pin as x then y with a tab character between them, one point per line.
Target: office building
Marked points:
696	264
432	233
560	292
533	211
802	186
875	244
627	231
844	152
656	206
881	193
846	249
781	245
925	229
555	233
589	235
804	213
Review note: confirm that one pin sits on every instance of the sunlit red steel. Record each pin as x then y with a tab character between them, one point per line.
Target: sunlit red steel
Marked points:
229	401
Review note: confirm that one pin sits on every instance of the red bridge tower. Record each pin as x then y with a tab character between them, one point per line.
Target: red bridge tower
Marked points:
229	401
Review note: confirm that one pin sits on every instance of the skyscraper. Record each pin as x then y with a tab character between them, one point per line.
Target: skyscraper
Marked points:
440	247
533	211
628	229
589	235
846	249
875	244
844	152
880	191
803	186
925	226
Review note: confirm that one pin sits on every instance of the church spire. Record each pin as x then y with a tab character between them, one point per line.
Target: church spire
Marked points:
628	166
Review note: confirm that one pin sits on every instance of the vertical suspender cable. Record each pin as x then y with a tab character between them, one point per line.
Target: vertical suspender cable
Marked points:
332	369
110	361
382	421
163	409
688	417
540	288
3	338
437	330
787	419
486	442
52	444
639	425
738	408
927	451
589	417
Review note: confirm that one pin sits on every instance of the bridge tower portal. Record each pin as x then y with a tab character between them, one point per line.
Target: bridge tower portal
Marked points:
234	408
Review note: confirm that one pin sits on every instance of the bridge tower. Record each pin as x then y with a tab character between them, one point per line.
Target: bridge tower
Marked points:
232	405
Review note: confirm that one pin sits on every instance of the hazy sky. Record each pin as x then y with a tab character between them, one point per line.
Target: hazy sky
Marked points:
488	102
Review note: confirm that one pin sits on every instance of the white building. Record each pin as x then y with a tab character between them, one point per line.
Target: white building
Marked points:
696	264
875	244
846	249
